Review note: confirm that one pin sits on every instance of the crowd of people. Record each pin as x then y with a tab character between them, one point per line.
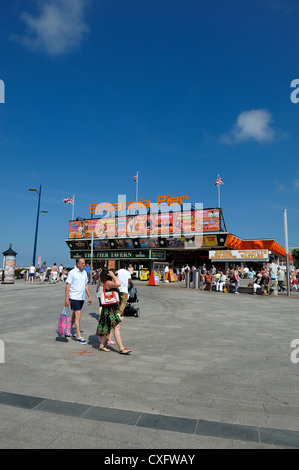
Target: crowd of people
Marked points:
262	278
52	274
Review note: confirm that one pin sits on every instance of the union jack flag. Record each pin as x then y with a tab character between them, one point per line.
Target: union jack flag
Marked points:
135	178
69	200
218	181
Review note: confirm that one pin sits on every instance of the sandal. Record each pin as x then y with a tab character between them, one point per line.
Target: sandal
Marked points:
104	349
125	351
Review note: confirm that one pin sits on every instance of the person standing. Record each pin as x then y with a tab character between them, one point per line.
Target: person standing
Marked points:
42	272
75	290
32	271
236	280
54	272
87	269
124	277
60	272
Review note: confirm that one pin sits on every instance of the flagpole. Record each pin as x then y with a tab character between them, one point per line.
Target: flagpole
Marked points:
73	207
137	187
218	193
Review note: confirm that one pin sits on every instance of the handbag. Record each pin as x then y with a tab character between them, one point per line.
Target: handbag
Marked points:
64	323
109	298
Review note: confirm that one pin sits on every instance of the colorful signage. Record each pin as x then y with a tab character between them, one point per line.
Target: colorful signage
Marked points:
9	269
146	225
239	255
96	208
207	220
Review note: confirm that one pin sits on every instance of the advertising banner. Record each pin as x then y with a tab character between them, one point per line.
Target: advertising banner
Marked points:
239	255
163	224
184	222
207	220
9	269
144	225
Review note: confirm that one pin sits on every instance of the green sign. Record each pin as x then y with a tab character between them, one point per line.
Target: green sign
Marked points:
119	254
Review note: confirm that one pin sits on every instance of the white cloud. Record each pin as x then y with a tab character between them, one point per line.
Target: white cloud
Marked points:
59	29
251	125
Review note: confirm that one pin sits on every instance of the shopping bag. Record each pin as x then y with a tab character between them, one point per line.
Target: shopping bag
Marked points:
65	323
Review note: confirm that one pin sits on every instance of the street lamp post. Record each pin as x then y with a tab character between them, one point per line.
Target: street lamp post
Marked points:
37	220
287	251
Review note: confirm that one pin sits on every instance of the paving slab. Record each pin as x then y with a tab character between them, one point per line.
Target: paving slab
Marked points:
207	370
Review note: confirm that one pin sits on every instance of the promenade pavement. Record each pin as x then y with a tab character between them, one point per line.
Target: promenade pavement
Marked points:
207	371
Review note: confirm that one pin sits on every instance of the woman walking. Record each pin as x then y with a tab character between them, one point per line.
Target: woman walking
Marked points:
236	280
109	318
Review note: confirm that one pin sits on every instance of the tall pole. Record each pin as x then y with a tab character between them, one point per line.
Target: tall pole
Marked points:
73	209
287	251
91	253
36	226
137	187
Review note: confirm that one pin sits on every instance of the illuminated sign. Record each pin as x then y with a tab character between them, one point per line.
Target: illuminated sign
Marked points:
239	255
148	225
97	208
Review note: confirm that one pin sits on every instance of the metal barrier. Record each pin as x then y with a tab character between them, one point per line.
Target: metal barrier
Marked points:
196	278
187	279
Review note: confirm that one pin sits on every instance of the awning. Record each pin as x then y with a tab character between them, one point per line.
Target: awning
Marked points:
237	243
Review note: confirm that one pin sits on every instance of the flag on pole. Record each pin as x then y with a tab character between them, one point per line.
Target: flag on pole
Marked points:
69	200
218	181
135	178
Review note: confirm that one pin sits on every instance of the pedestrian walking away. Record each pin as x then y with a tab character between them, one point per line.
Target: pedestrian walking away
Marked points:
32	271
124	277
75	290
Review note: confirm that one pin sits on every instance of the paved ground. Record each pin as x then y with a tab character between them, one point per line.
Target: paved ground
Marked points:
207	371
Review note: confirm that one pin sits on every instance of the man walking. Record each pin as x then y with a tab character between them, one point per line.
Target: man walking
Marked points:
280	279
76	287
124	276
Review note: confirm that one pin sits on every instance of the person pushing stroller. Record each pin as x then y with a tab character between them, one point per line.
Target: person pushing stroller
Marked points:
124	277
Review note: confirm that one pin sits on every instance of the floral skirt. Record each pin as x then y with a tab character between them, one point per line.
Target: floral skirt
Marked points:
108	320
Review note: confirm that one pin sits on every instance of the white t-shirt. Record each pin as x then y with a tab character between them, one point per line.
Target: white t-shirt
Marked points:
123	276
77	280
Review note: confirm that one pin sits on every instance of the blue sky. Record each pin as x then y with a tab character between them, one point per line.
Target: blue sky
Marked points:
180	91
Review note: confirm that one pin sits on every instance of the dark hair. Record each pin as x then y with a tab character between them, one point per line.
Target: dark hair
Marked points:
104	276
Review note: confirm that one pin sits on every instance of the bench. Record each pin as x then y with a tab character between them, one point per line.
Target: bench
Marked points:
243	286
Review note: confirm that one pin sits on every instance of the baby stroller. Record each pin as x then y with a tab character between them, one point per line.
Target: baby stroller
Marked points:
130	309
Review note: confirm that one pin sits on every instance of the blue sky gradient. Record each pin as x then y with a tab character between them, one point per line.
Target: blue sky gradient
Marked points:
180	91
